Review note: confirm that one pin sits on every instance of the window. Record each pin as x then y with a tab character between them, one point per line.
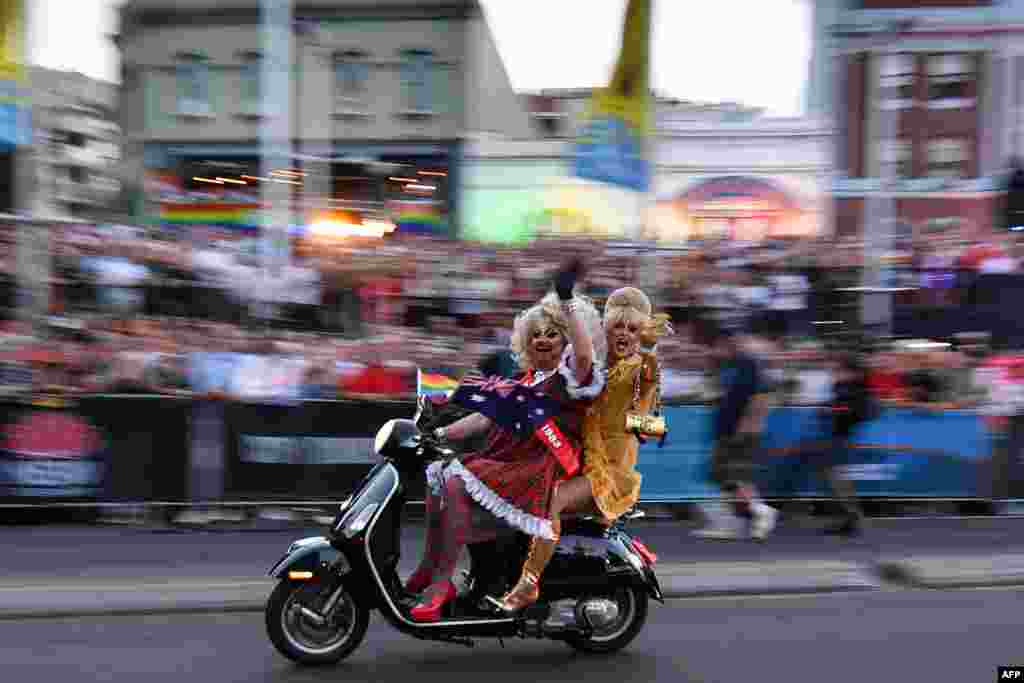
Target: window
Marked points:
193	85
350	74
252	78
896	157
351	71
947	158
896	81
550	126
416	76
949	78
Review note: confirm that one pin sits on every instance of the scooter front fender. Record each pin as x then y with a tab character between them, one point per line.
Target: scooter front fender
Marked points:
306	555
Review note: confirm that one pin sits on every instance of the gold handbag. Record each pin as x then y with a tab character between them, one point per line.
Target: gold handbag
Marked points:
646	424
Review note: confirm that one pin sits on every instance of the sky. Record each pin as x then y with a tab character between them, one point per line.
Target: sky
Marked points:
754	52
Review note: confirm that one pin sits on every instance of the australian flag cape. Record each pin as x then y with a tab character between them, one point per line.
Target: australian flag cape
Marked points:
509	404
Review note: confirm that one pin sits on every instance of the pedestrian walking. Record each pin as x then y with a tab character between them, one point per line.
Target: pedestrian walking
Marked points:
852	405
738	420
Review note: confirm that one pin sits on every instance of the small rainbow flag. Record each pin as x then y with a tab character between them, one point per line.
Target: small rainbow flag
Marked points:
434	384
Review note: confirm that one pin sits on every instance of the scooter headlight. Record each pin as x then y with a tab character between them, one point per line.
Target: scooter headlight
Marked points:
383	435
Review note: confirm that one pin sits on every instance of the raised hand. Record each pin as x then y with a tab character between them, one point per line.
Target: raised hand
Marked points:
566	277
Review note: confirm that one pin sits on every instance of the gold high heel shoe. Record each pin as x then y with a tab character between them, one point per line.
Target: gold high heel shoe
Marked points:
527	589
523	594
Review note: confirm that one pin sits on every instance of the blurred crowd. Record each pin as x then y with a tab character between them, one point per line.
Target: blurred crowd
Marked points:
138	312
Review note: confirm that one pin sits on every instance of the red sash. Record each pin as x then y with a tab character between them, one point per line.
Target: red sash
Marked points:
560	447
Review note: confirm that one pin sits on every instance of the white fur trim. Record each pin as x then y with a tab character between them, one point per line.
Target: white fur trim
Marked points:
498	506
566	369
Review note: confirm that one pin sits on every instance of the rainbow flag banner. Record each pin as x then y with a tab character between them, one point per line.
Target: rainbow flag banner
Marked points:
434	384
423	217
420	222
245	216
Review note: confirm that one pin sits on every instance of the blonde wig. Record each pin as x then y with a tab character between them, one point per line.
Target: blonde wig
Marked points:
628	305
548	312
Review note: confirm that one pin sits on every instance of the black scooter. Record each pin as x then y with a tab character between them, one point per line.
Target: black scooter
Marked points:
594	595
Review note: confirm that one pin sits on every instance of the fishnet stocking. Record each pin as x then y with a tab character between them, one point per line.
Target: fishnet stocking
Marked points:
457	529
433	543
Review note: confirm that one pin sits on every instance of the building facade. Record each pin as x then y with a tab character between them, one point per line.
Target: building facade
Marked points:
383	95
721	170
721	175
78	146
926	98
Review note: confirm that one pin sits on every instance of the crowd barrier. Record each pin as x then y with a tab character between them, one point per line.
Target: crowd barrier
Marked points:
141	449
905	453
320	449
982	303
97	448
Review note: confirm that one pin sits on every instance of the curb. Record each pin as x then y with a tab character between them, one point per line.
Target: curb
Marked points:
679	582
754	592
906	575
258	607
43	615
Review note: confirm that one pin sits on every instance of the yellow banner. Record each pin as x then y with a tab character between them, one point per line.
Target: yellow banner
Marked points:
12	40
628	95
612	144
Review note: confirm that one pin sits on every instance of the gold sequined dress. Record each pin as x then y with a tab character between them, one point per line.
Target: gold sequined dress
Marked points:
609	452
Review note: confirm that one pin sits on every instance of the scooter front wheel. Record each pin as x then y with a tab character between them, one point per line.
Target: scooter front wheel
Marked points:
300	637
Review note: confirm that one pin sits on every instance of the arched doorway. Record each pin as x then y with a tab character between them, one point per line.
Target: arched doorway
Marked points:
741	208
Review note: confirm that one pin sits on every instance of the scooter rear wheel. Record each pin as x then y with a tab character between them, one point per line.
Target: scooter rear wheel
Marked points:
301	640
632	603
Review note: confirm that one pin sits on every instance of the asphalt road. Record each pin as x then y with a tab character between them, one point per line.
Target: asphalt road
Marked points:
118	552
955	636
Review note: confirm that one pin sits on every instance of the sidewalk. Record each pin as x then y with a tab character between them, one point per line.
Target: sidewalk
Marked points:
96	570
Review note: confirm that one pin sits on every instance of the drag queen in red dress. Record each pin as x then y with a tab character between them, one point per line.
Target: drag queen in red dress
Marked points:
513	476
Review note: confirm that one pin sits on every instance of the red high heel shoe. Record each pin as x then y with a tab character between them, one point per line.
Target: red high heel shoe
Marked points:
419	581
430	610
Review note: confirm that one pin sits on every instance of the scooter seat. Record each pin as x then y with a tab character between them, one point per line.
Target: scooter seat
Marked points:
584	525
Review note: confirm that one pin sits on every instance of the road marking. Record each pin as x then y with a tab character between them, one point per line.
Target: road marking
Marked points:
769	596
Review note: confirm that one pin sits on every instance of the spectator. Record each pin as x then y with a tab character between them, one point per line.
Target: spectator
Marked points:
790	290
851	405
886	378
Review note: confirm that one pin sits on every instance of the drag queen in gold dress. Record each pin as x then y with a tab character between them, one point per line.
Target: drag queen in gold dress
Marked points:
609	484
